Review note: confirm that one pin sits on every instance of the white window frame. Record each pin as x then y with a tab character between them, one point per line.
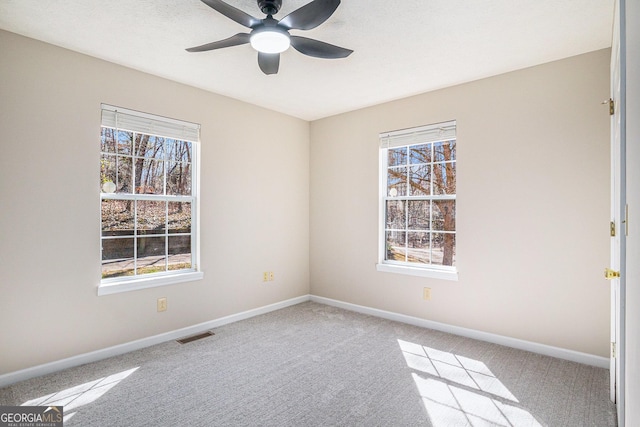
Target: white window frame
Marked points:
445	131
138	122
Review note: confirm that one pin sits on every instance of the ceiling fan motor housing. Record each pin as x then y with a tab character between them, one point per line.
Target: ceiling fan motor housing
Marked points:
269	7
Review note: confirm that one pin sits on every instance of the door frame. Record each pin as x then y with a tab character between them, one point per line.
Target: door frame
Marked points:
618	208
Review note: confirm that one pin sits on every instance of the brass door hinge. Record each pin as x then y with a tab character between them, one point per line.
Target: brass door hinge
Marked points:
610	274
612	108
613	350
612	228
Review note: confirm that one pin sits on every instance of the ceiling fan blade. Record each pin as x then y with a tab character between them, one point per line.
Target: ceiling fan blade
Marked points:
269	62
310	15
238	39
318	49
232	13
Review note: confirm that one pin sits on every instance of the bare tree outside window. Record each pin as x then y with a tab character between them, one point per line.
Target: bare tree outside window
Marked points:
420	203
146	191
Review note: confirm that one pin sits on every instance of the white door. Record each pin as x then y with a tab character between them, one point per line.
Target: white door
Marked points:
618	214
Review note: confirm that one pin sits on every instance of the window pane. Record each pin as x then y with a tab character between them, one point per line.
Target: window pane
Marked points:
445	151
419	213
444	215
443	247
450	249
117	257
444	178
117	217
108	140
418	247
179	217
107	173
395	242
178	151
151	255
395	214
419	180
179	252
150	217
397	182
149	176
397	156
420	154
149	146
125	175
179	179
115	174
125	143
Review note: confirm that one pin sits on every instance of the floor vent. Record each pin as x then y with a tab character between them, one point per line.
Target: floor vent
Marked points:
195	337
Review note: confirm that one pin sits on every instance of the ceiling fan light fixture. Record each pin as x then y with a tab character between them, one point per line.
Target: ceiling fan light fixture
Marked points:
270	40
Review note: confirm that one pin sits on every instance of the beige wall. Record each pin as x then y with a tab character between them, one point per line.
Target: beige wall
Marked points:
532	215
532	205
254	205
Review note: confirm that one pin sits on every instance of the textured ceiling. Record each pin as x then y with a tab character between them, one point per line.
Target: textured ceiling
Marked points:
401	48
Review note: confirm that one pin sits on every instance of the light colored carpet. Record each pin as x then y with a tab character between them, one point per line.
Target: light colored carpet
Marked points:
316	365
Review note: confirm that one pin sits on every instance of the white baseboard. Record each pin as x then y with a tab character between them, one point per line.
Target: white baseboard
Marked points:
547	350
94	356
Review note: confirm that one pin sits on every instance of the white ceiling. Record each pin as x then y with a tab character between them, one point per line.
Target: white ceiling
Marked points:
401	48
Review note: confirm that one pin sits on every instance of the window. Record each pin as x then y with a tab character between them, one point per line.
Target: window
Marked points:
148	188
418	201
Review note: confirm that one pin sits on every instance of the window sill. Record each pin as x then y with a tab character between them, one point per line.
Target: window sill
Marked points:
147	282
421	272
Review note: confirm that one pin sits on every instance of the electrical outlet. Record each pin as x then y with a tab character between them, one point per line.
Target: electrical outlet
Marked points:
267	276
426	294
162	304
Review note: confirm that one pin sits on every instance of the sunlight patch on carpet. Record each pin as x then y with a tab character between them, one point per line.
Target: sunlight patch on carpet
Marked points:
460	391
83	394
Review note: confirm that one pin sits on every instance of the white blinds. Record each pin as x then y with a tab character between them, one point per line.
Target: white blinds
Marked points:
136	121
419	135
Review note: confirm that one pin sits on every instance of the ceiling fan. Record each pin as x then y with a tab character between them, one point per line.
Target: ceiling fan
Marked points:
270	37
